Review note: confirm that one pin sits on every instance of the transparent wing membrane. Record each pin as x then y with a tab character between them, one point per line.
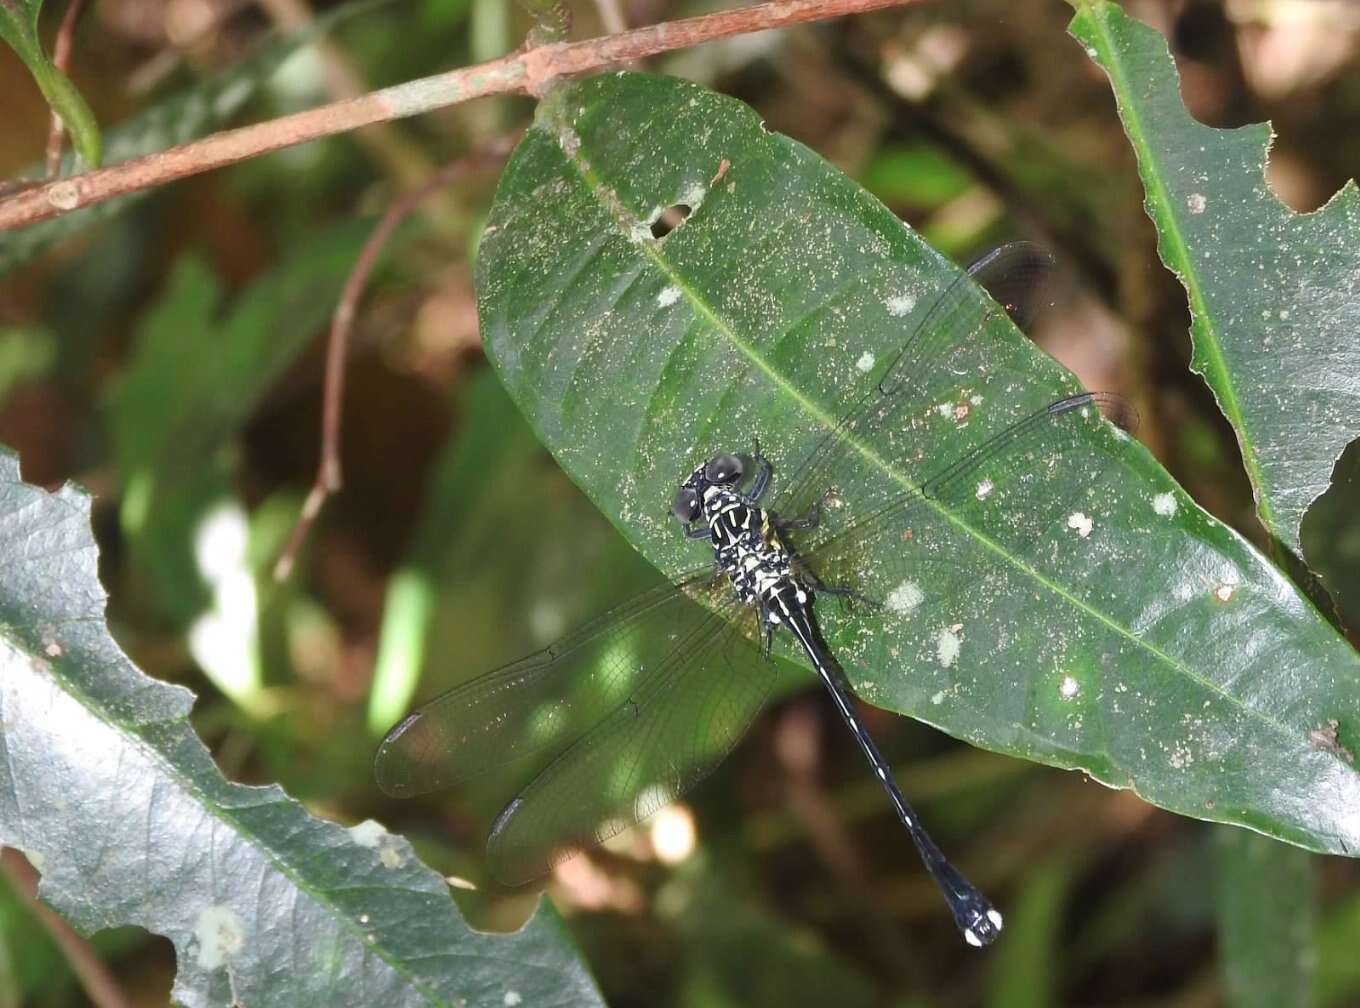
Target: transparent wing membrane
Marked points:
608	724
686	718
628	713
925	383
539	705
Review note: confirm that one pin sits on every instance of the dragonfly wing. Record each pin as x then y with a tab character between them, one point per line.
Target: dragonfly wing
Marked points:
894	420
526	712
663	739
941	558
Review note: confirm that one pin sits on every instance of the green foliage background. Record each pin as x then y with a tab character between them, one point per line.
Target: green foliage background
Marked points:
164	353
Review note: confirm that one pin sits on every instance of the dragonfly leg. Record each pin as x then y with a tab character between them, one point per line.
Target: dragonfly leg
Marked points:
846	595
810	518
698	532
765	471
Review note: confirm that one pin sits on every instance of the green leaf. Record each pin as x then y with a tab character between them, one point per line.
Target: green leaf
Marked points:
19	28
1266	905
109	793
1164	655
1273	293
1023	973
174	120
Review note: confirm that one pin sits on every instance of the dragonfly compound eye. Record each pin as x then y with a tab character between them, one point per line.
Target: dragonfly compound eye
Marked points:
723	469
686	506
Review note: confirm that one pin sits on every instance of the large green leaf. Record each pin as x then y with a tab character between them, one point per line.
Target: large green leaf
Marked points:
1143	642
19	28
1274	294
105	787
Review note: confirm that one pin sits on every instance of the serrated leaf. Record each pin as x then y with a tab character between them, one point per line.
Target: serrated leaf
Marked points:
174	120
19	28
1274	294
1166	655
105	787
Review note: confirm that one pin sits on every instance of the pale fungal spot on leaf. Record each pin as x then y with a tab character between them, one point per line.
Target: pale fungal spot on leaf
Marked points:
1165	504
865	362
1225	592
904	598
367	833
512	998
948	644
900	304
1196	203
1323	739
937	698
1080	523
1069	688
220	934
984	488
668	296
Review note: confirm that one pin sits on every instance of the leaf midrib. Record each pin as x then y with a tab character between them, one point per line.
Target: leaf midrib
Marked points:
652	250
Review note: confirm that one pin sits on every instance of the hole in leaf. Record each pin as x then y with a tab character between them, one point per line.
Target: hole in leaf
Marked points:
670	219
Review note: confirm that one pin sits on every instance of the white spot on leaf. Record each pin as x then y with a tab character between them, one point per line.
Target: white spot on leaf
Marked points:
905	598
668	296
367	833
900	304
1069	688
1081	523
220	934
947	644
1196	203
865	362
984	488
1164	504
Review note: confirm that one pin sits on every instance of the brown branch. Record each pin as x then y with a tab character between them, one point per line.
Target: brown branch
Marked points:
94	976
523	72
61	59
328	474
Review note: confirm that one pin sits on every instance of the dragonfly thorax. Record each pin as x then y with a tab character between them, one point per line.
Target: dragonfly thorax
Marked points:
747	548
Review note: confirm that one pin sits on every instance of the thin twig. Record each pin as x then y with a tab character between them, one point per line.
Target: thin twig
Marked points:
524	72
99	984
329	475
61	59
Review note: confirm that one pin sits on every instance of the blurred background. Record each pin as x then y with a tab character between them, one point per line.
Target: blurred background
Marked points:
169	356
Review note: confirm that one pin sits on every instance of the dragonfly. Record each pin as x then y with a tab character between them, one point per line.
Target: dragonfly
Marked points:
601	729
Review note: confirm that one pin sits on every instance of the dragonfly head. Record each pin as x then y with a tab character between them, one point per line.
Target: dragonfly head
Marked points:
725	470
